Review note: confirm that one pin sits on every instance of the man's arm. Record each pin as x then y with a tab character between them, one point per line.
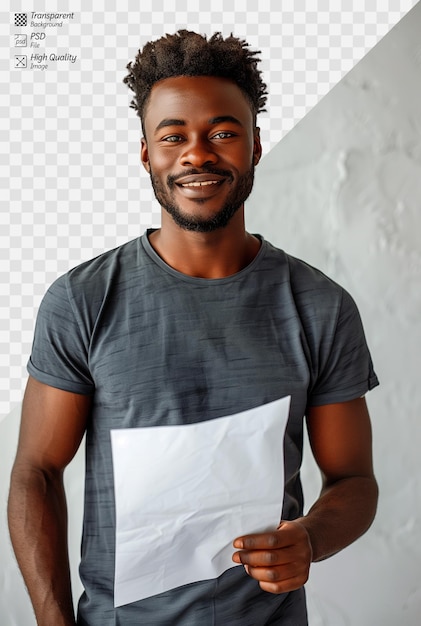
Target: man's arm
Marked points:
52	427
340	437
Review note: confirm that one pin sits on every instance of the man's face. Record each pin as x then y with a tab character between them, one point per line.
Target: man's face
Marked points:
200	149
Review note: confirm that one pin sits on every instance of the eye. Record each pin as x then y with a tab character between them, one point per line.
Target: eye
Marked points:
172	138
223	135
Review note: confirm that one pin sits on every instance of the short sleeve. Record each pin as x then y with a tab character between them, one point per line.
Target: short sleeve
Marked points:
346	371
60	348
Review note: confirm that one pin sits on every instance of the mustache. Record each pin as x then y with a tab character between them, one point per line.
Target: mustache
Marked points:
172	178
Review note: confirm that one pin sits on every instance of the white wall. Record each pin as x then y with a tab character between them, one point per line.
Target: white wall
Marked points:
342	191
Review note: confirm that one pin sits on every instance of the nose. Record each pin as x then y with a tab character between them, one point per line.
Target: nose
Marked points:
198	152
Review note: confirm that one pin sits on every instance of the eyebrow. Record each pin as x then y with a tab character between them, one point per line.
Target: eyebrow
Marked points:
213	120
169	122
224	118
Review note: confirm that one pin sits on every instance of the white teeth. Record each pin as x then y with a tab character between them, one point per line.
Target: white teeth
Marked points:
203	184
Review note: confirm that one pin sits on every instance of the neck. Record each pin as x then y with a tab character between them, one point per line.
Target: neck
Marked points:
218	254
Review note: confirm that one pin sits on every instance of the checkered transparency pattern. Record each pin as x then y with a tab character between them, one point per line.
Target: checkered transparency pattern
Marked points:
72	186
21	19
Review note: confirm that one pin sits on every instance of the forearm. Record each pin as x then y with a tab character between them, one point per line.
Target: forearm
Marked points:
280	560
38	528
343	512
340	437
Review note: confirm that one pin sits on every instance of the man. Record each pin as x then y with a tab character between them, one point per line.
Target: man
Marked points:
192	322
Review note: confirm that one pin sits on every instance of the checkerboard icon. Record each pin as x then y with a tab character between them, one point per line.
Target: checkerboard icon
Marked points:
21	19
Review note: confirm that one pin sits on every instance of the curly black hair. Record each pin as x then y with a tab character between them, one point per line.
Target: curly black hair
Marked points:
187	53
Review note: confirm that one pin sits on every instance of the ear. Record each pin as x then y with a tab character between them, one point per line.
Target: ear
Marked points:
257	146
144	155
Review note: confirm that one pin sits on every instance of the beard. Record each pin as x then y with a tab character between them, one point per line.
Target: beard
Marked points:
235	199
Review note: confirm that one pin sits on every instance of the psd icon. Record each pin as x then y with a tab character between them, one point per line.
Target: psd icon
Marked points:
21	41
21	19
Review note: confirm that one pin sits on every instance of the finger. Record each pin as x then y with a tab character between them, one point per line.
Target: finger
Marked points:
279	574
286	535
262	541
266	558
284	586
301	553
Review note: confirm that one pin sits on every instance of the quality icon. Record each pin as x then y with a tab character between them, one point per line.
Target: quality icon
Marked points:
20	60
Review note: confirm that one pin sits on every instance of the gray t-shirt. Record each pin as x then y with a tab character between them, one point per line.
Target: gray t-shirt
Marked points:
156	347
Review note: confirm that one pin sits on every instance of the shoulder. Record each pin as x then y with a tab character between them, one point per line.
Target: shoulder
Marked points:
107	264
79	294
69	313
96	275
306	282
325	309
331	333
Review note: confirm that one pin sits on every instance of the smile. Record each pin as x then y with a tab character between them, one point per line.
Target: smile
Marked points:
201	184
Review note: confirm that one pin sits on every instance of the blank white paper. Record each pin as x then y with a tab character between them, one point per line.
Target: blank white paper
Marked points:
184	493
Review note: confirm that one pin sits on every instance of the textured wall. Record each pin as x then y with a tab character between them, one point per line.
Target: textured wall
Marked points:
343	191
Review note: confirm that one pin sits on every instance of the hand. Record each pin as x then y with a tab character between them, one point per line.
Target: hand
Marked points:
279	560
